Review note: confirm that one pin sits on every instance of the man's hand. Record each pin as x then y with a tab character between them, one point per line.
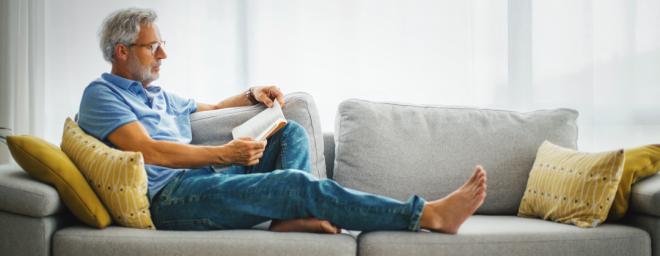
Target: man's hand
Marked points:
266	95
244	151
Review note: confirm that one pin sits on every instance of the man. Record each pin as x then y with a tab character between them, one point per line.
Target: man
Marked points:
261	181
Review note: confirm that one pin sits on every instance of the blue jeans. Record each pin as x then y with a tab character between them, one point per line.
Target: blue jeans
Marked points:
279	187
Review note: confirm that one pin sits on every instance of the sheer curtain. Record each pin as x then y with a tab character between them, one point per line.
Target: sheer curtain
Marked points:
21	68
600	57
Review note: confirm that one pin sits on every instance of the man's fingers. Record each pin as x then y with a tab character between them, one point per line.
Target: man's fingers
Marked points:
264	97
277	95
258	144
253	162
257	156
267	101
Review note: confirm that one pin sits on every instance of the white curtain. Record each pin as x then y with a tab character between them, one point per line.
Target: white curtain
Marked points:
21	68
601	57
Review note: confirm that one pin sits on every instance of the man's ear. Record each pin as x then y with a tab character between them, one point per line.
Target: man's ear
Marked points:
121	52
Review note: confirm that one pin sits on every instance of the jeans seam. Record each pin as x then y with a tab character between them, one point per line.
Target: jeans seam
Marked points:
416	214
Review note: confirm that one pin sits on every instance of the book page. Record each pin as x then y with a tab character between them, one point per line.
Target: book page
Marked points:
262	125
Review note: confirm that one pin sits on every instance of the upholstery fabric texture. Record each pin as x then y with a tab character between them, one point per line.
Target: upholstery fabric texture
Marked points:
122	241
641	162
572	187
647	223
47	163
22	194
117	177
510	235
22	235
399	149
214	127
329	152
645	196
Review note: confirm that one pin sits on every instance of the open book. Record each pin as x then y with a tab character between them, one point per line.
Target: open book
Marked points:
263	125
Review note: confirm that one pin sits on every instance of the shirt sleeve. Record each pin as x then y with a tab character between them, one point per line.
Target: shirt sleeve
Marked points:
102	111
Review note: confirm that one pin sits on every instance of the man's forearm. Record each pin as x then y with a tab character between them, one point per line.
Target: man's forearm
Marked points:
235	101
177	155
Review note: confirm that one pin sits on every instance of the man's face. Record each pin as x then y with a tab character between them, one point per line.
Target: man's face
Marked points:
145	54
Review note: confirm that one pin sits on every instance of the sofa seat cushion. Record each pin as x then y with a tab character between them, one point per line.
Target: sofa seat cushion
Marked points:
115	240
21	194
509	235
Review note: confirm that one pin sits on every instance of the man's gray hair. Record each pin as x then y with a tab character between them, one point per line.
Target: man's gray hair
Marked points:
123	27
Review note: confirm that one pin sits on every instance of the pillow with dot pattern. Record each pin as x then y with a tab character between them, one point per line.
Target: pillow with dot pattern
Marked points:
572	187
117	177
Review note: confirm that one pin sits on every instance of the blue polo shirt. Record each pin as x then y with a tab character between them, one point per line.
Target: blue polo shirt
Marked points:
112	101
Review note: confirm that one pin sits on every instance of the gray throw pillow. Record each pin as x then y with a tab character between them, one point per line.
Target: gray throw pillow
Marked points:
399	150
214	127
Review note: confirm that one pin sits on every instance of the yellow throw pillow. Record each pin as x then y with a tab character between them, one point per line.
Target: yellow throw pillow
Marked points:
47	163
640	163
572	187
118	177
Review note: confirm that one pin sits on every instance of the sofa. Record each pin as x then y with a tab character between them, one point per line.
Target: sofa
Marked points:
387	148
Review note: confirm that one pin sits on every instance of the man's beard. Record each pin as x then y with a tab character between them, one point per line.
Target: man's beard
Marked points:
141	73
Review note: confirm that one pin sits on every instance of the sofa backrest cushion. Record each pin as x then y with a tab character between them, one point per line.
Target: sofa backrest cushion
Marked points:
214	127
399	150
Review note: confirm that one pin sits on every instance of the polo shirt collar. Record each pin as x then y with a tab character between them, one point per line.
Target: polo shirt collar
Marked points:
127	84
120	81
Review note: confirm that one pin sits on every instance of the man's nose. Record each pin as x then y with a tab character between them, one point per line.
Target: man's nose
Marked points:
160	53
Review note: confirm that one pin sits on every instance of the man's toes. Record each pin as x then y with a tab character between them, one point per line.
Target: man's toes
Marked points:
479	169
475	174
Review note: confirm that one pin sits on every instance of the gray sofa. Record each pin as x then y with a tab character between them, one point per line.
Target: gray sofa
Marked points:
390	149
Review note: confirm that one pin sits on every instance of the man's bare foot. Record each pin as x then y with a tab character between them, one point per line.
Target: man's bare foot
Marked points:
312	225
448	214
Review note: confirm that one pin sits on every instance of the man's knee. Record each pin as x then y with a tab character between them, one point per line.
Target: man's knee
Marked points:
295	130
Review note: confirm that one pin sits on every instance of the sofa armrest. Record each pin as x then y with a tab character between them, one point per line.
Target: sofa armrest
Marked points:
30	213
645	196
23	195
650	224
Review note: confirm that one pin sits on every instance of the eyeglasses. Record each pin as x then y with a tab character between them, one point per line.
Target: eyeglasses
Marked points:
153	47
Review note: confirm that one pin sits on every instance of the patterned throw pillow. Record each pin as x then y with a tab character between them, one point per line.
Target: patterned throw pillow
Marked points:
572	187
47	163
641	162
118	177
